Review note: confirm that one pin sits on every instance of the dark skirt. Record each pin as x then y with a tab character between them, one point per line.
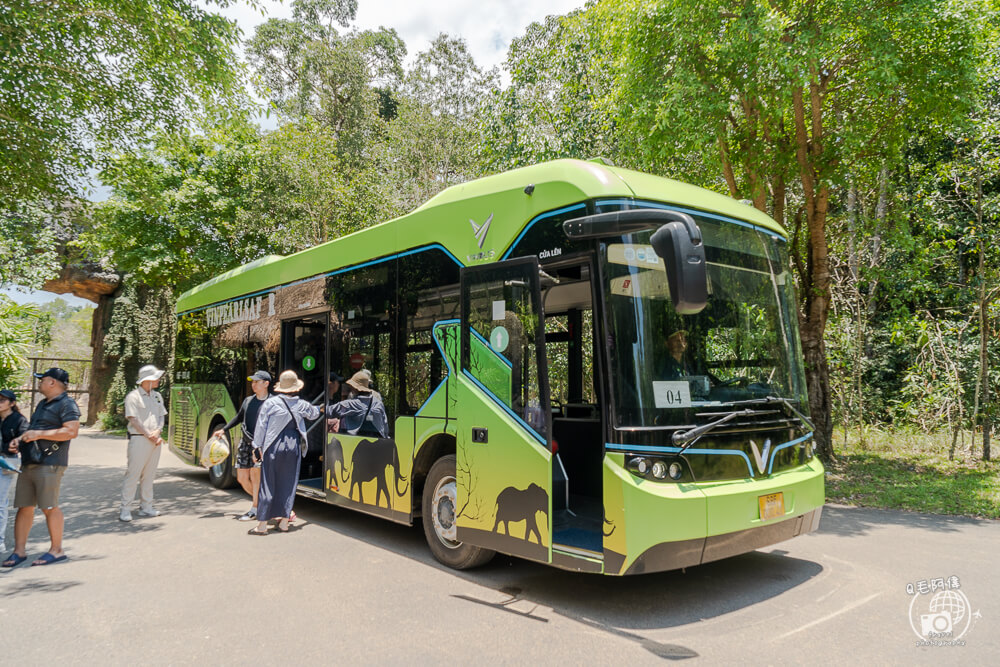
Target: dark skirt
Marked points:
279	475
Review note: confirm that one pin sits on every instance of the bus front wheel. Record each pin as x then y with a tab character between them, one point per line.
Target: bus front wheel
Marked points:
439	516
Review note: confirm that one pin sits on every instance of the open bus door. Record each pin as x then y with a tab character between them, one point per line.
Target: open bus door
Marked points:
504	460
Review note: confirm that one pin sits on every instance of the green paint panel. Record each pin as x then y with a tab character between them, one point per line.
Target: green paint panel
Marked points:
557	184
733	505
509	463
193	408
656	512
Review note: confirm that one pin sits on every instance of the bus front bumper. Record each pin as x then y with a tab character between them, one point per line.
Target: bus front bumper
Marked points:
687	553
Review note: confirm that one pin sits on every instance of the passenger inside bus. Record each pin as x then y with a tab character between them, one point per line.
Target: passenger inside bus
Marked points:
674	362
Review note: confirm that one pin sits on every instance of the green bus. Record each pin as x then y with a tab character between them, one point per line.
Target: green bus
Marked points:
581	365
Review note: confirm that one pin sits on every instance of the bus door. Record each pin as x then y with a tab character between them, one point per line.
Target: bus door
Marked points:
504	461
303	350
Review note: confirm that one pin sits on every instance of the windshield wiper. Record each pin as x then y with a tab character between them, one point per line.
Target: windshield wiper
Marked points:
687	438
795	411
770	400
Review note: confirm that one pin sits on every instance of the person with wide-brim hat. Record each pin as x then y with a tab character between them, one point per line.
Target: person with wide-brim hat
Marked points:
279	438
363	411
146	415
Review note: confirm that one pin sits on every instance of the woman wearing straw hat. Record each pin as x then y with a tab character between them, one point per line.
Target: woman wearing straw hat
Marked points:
363	408
280	430
12	425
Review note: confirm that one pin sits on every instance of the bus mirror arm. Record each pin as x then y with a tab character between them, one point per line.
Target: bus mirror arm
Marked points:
679	244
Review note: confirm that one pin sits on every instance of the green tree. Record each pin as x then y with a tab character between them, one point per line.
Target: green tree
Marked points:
430	142
28	252
305	67
784	100
553	107
79	78
23	327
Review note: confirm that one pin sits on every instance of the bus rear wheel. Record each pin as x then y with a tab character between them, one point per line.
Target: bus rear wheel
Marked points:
222	475
439	515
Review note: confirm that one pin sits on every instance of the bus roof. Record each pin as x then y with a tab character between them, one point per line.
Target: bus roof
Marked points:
445	220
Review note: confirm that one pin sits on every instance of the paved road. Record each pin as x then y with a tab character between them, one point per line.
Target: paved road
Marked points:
191	585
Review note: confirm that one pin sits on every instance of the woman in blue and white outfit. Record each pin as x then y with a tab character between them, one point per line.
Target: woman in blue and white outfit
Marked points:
12	425
280	429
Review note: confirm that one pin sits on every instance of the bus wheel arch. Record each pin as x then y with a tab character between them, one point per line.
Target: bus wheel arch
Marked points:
223	475
439	519
433	449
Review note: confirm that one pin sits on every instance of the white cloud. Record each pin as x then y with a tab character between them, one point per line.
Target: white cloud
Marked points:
488	26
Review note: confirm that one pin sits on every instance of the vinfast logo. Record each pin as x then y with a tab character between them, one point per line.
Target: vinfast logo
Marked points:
481	230
761	457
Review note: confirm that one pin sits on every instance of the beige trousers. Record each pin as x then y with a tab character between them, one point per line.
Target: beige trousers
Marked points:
143	457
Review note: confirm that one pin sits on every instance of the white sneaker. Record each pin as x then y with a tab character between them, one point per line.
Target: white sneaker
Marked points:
149	512
251	515
125	515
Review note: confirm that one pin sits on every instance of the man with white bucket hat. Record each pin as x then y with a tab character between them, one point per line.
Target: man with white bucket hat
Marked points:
145	412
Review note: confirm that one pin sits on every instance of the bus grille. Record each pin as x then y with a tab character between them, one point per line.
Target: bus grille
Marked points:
184	418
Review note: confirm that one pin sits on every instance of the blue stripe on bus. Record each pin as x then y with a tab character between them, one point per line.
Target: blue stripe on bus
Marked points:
683	209
507	409
444	356
324	275
539	218
791	443
709	452
675	450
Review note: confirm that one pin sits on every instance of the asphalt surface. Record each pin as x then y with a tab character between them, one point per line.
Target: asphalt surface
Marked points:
342	588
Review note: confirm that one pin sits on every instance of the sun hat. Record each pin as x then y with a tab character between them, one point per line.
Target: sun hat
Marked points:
288	382
361	380
679	332
54	373
149	372
260	375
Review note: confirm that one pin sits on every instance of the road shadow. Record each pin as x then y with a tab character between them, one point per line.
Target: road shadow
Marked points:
859	521
91	497
614	604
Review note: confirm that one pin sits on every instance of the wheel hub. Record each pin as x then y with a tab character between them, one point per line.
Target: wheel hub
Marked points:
443	504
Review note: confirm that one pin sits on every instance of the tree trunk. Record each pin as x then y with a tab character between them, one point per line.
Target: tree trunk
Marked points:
100	370
816	288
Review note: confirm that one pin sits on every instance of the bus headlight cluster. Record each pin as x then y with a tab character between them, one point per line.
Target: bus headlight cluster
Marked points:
656	468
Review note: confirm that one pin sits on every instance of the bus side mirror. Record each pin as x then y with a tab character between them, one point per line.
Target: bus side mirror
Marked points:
680	246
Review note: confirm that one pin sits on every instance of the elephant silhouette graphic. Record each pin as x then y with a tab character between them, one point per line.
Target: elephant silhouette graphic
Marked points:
370	459
516	505
335	454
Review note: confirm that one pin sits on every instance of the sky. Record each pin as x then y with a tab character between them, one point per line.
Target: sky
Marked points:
488	26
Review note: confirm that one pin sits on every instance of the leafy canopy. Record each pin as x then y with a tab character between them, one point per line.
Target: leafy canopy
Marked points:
85	76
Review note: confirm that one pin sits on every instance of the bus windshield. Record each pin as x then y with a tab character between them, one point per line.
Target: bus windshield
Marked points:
743	346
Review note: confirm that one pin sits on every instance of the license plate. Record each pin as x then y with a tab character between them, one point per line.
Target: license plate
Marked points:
771	506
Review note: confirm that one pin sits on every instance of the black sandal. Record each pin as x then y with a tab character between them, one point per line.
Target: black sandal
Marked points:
254	531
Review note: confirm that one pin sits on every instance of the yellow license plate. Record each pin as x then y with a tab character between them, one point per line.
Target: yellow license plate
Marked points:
771	506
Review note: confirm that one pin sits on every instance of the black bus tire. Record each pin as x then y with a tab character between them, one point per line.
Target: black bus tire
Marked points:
439	519
223	475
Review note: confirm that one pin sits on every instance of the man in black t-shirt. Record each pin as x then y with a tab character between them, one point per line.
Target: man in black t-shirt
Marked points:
44	450
247	467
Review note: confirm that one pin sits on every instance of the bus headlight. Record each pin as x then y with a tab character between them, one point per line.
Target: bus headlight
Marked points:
639	465
676	470
659	469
